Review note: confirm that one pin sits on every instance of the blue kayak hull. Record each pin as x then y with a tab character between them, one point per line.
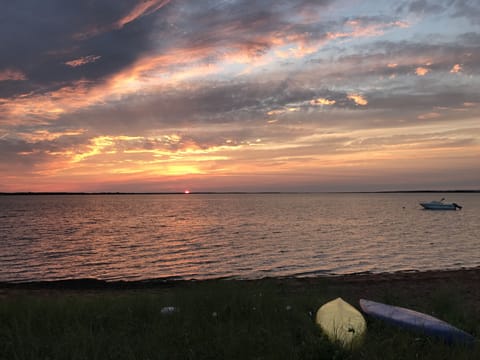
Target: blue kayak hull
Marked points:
416	321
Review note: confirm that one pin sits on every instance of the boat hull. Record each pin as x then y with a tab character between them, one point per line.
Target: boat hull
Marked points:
416	321
342	323
428	206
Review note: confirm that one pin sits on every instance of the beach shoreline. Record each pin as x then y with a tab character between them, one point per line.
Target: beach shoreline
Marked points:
365	283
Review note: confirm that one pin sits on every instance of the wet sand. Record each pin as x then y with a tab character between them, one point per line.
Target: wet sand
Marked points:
411	286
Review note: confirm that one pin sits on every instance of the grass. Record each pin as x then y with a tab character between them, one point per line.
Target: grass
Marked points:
266	319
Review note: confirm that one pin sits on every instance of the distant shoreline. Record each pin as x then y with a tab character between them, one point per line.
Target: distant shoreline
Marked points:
239	192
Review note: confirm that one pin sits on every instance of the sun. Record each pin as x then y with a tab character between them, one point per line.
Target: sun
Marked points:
186	192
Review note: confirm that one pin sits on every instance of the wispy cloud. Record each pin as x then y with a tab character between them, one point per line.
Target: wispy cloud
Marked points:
82	61
143	8
428	116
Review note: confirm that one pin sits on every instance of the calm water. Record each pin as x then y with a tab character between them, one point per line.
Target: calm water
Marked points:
133	237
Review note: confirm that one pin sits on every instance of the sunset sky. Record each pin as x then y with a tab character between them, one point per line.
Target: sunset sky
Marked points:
237	95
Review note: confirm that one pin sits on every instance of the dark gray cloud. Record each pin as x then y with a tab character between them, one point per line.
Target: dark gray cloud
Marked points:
38	37
469	9
424	6
22	156
210	104
49	34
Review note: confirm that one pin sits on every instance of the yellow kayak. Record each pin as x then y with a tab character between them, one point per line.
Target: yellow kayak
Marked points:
341	322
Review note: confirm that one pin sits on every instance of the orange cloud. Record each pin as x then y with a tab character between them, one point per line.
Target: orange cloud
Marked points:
421	71
295	46
402	24
45	135
361	30
143	8
337	35
297	51
165	156
322	101
83	60
146	74
428	116
456	68
300	45
194	72
161	148
358	99
42	108
276	112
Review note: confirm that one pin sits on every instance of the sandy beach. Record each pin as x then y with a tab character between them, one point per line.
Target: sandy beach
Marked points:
364	285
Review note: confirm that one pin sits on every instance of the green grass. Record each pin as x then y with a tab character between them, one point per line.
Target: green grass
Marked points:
265	319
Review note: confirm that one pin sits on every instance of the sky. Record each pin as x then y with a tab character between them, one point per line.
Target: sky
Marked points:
237	95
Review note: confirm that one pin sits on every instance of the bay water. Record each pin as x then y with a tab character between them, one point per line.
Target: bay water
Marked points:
204	236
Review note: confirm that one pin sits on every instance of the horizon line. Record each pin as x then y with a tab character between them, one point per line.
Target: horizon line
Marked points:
233	192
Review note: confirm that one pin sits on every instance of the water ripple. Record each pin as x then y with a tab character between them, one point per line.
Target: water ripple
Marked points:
241	236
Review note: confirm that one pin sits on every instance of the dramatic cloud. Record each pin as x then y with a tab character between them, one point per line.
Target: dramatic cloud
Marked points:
238	95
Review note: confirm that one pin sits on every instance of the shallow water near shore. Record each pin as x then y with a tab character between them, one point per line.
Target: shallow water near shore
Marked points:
203	236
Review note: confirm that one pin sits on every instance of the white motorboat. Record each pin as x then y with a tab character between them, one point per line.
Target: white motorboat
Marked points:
440	205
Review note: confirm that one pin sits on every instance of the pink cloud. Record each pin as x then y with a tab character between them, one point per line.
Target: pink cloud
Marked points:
11	74
428	116
456	68
141	9
82	61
